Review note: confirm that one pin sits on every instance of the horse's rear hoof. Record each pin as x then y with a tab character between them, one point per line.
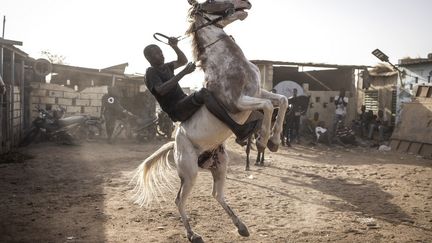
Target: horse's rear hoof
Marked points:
196	239
243	231
272	146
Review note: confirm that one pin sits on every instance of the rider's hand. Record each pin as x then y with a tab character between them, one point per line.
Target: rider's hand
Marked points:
172	41
190	67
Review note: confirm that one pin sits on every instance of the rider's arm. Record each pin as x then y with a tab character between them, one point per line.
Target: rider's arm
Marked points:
181	57
155	84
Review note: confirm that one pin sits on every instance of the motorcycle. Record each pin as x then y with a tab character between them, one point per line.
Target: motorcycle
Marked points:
165	125
64	130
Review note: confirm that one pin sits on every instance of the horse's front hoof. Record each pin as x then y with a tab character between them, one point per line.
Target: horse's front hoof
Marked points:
243	230
195	238
272	146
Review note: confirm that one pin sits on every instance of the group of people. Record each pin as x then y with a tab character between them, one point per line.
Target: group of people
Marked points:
364	127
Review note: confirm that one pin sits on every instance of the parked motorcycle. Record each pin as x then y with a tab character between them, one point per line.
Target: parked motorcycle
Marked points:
64	130
165	125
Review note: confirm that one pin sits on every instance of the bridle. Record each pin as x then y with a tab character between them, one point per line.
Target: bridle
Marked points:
198	10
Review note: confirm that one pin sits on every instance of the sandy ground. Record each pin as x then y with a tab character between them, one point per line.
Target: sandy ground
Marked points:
303	194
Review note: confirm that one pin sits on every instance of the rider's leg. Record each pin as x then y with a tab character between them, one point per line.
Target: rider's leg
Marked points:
190	104
242	132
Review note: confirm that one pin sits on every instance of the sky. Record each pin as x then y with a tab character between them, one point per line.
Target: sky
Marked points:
103	33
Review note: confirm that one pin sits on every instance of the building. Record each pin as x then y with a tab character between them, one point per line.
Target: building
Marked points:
12	70
322	82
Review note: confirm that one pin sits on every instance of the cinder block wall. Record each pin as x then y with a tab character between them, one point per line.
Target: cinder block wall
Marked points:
52	96
323	103
16	115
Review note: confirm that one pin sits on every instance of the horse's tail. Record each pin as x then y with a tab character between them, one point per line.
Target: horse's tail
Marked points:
154	177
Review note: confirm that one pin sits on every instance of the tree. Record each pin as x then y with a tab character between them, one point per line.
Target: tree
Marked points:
53	58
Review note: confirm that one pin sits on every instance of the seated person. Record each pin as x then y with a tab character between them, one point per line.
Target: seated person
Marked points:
322	133
380	124
309	125
345	135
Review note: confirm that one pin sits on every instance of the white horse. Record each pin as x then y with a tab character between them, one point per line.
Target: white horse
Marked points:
199	141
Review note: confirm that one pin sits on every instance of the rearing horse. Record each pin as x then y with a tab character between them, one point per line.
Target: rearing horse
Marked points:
199	141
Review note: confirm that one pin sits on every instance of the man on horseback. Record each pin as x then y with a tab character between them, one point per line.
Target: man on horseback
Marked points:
163	84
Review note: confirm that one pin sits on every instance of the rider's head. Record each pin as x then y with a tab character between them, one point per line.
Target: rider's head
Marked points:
154	55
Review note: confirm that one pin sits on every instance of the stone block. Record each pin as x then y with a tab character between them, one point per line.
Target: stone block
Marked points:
73	109
48	100
96	103
34	100
81	102
57	94
39	92
62	101
69	95
90	110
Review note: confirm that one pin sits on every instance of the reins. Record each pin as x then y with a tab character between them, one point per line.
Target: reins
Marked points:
159	36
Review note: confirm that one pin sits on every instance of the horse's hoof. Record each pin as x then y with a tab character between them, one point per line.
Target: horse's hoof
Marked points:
272	146
260	146
247	169
195	238
243	230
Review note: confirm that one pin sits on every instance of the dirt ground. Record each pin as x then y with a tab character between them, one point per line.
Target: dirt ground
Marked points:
302	194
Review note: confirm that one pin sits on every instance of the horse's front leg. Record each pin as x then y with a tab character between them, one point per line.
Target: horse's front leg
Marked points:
219	176
248	103
278	101
187	168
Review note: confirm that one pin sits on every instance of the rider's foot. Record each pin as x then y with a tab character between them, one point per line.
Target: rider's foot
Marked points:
246	130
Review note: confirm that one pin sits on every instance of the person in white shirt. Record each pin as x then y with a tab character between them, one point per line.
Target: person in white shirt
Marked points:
341	103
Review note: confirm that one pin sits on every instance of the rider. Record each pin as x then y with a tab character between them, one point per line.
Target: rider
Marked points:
112	110
163	84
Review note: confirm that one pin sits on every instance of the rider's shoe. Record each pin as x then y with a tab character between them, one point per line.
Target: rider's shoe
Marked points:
246	130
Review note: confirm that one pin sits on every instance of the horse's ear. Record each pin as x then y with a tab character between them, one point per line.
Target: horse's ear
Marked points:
192	2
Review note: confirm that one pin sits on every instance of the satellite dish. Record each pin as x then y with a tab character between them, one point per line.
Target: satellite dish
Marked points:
286	88
42	67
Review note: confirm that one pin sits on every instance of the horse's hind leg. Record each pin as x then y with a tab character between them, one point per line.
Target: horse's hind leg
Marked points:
248	148
187	167
219	174
281	102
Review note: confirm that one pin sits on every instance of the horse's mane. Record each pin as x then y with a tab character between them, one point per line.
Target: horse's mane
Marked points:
197	49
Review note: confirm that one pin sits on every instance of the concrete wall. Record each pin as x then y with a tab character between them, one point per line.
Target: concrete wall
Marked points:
16	115
323	103
51	96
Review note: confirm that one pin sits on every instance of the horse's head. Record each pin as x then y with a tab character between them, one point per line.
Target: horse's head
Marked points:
223	12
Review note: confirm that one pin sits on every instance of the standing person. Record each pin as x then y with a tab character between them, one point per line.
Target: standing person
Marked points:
112	111
293	119
163	84
2	86
341	103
